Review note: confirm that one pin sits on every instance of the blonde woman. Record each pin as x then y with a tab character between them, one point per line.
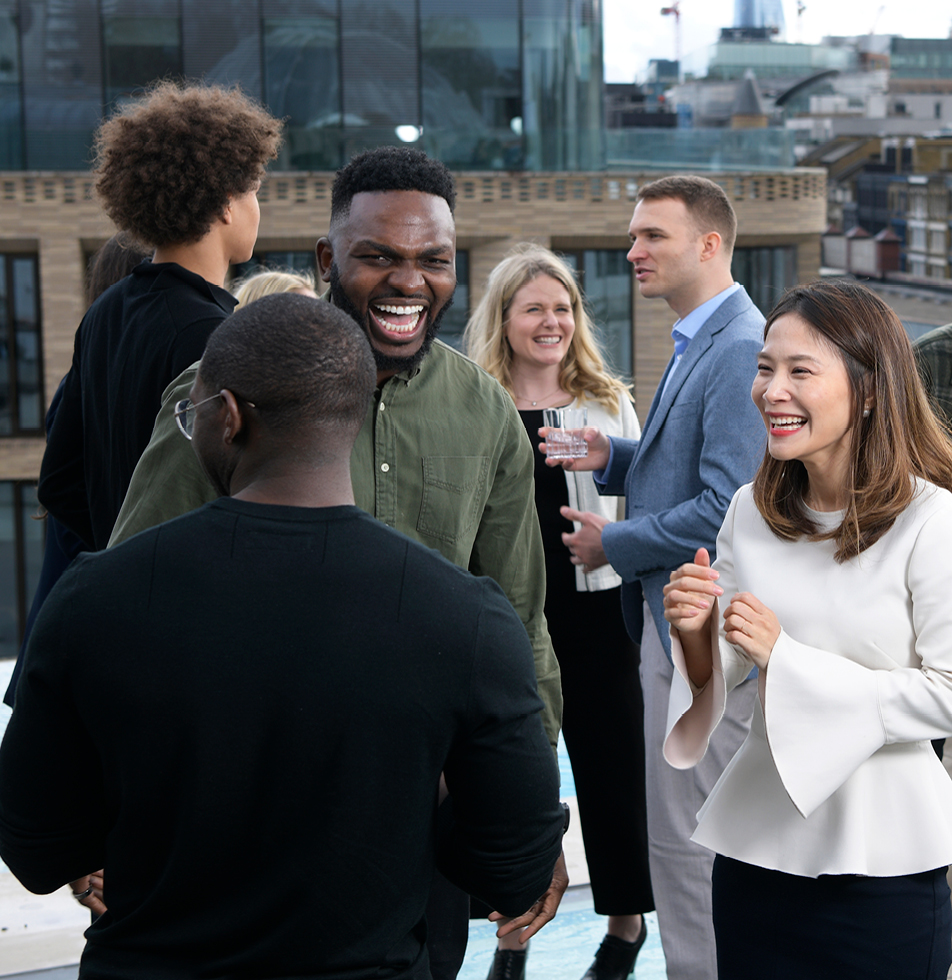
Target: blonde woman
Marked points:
532	333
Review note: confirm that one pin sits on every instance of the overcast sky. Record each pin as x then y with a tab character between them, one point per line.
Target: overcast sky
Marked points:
635	30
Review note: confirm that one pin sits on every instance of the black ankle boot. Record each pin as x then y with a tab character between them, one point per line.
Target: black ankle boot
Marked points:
508	964
615	958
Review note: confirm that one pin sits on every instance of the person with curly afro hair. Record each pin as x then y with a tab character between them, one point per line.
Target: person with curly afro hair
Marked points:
179	171
168	166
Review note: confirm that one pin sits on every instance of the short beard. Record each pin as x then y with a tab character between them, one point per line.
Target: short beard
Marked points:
386	362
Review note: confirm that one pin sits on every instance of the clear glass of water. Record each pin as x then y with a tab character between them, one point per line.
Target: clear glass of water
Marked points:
565	439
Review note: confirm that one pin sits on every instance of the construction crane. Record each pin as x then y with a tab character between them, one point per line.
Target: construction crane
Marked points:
675	11
801	7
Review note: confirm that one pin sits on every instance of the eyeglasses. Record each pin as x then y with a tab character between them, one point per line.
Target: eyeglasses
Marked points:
185	412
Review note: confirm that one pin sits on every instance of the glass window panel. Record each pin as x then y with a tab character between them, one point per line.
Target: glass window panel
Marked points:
27	344
6	405
605	278
302	86
295	261
138	50
21	370
62	82
9	597
562	86
472	98
607	285
380	75
11	119
765	273
454	321
224	48
34	541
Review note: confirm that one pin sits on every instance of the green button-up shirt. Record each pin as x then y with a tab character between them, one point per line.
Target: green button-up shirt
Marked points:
443	457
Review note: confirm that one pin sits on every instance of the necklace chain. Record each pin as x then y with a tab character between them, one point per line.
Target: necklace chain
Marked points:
525	398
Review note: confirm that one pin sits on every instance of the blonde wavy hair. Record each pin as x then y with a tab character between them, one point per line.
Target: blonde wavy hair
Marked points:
270	281
582	373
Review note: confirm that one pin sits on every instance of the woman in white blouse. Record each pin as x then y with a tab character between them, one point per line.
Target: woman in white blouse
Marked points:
532	333
833	823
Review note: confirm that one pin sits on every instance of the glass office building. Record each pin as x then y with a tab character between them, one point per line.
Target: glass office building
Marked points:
486	85
507	92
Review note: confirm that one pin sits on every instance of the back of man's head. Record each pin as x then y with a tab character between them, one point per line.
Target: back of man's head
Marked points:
705	201
303	363
390	168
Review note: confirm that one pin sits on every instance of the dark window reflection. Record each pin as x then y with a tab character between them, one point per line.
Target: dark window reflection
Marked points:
292	261
21	362
302	86
765	272
381	72
61	74
454	322
472	88
21	555
137	50
605	278
11	122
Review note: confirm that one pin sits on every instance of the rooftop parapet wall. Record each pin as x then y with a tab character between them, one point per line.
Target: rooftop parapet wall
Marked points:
57	217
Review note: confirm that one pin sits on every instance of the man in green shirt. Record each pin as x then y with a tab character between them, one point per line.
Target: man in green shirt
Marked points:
443	456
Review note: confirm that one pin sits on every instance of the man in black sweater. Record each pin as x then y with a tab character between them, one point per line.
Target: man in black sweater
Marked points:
249	708
179	170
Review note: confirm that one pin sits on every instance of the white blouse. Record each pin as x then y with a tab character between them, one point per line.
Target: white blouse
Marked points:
837	775
583	493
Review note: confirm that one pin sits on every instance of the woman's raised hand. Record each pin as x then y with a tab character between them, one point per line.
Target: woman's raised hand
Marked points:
752	626
689	596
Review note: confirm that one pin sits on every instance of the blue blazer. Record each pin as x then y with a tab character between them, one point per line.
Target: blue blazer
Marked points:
702	439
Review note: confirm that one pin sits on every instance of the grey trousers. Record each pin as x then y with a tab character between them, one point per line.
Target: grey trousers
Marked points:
680	869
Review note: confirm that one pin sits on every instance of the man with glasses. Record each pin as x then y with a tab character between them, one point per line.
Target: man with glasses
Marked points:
442	456
251	707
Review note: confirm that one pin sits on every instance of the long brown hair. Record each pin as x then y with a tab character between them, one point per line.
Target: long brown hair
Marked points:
899	439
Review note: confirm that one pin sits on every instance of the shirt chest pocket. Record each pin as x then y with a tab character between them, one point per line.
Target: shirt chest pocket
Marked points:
454	494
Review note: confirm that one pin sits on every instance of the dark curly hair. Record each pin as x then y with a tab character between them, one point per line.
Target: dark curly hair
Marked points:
168	163
390	168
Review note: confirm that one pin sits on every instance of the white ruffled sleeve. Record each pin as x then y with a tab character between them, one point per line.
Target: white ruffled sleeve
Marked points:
827	714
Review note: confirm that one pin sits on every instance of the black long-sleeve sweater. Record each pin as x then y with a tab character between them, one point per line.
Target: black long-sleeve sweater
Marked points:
136	338
242	715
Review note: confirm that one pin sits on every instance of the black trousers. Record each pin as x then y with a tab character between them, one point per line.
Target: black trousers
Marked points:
775	926
603	727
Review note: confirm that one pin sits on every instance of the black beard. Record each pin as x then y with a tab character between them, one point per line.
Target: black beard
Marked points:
386	362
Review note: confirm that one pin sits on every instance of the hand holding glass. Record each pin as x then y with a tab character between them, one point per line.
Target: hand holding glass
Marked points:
565	439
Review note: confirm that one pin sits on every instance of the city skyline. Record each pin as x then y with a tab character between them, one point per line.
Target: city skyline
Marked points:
636	31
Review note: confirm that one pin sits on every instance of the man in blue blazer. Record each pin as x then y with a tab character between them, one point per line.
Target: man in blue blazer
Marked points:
702	439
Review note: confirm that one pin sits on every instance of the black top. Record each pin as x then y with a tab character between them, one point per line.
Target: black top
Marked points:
139	335
243	714
551	493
